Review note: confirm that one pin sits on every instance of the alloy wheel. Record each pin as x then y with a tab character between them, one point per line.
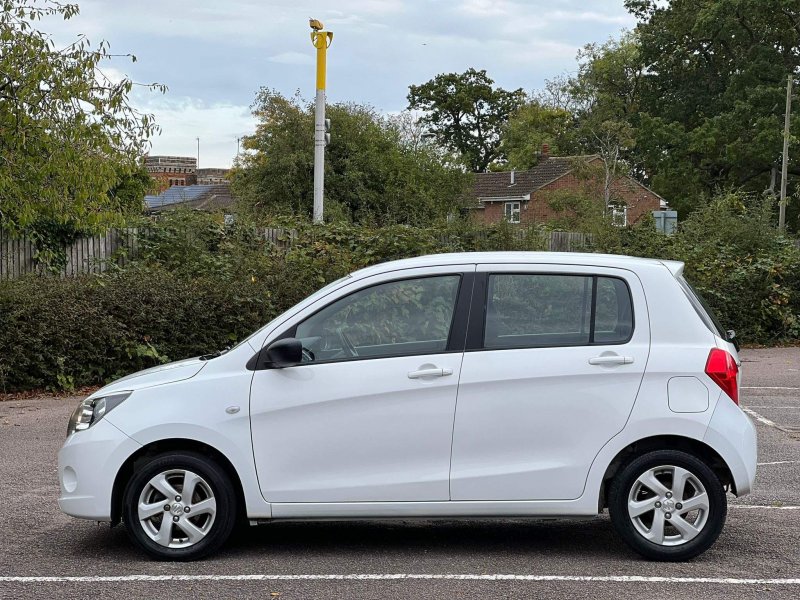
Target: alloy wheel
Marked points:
177	508
668	505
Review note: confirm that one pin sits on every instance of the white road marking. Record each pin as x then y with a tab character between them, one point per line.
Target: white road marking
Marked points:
767	406
768	387
778	462
762	419
401	576
763	506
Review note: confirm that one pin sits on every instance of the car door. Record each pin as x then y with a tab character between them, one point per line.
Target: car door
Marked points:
368	415
554	359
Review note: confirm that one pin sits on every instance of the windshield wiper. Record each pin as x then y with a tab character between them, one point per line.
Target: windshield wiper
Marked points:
214	354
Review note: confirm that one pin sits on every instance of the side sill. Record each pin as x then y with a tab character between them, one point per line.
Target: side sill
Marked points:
430	510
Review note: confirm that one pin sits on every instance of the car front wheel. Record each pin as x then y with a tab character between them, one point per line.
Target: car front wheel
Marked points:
668	505
179	506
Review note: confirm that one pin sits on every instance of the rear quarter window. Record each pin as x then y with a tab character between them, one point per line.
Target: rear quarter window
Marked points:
702	308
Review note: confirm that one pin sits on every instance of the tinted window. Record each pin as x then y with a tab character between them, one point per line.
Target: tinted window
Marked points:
534	310
613	321
702	308
412	316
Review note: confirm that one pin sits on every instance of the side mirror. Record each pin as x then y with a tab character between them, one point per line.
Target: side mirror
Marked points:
287	352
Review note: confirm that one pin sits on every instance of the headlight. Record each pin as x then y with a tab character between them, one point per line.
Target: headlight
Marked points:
90	411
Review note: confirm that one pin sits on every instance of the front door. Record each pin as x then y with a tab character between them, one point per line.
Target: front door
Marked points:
551	372
369	414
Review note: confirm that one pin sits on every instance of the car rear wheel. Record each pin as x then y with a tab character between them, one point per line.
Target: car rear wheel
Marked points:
668	505
179	506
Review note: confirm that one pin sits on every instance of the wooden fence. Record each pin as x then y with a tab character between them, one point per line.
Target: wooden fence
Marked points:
118	246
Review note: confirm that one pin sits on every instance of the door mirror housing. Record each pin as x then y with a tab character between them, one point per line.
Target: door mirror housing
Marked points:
280	354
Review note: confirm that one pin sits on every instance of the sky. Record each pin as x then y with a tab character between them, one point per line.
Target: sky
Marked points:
214	55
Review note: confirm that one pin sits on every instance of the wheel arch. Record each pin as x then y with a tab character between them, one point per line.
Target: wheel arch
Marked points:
666	442
155	448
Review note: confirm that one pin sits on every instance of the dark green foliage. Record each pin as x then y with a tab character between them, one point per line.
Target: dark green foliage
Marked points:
68	133
467	114
747	272
199	286
373	175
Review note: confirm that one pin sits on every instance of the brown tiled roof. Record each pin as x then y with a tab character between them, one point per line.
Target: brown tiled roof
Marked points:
498	185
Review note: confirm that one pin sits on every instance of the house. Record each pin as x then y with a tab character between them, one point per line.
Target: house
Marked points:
527	197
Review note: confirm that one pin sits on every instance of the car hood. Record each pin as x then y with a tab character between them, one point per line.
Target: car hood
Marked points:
167	373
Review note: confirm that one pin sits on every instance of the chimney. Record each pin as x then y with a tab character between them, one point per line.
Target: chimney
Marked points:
512	177
545	151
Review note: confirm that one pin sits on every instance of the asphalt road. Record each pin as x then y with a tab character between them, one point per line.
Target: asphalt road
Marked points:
757	555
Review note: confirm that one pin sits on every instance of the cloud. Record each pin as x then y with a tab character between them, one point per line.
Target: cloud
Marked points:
215	55
292	58
183	120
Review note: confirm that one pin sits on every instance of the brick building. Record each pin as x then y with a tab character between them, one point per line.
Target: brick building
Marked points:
212	176
172	170
528	197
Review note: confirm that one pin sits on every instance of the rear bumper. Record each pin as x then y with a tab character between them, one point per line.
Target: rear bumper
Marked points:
732	434
88	463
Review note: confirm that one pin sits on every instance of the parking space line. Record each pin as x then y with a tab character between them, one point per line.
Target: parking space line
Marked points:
768	387
764	506
767	406
778	462
401	576
762	419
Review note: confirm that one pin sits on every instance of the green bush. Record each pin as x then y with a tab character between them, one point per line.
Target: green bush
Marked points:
62	333
746	270
198	286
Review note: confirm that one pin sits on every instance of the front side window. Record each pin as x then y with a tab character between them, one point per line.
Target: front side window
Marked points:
511	212
398	318
539	310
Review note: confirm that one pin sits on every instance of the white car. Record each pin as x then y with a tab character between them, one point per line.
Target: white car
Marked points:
509	384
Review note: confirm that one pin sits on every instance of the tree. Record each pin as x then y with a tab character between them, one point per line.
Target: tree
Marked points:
68	133
530	127
376	170
712	94
466	114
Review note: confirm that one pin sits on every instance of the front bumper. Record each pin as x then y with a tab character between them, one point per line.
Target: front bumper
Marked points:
88	463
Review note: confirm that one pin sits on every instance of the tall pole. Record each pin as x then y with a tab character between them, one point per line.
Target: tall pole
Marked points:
785	167
321	41
198	153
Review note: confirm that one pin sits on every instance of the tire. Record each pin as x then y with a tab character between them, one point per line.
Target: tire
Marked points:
190	528
648	514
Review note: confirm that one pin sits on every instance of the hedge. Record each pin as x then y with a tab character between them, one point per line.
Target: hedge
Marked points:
192	294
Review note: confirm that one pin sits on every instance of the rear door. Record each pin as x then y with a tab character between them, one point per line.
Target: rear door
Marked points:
555	356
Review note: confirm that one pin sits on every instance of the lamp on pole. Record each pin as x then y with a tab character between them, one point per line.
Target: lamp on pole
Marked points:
321	41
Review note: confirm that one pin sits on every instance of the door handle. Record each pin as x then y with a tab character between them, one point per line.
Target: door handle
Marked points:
434	372
612	359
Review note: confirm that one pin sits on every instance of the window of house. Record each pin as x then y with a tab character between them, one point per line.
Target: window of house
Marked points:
539	310
619	214
397	318
511	212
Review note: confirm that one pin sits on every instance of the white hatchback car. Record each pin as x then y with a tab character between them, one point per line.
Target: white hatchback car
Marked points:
462	385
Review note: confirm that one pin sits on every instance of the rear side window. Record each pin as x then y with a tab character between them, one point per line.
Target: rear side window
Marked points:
702	308
540	310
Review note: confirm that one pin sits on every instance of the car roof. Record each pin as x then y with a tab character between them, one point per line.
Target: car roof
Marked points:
556	258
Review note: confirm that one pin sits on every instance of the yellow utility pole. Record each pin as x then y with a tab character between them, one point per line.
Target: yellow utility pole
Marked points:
321	41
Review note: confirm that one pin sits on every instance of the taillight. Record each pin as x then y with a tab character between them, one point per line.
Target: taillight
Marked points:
721	367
